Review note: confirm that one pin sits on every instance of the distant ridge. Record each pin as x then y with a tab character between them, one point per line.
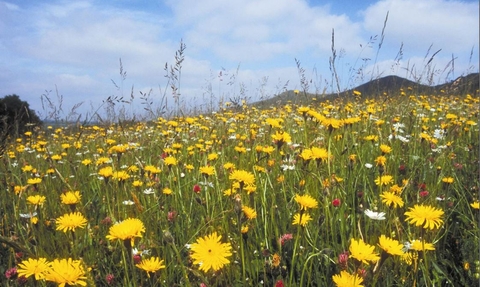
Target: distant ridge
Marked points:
389	85
393	84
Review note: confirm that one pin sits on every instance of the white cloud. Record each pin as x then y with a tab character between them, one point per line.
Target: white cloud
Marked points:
248	31
449	25
77	45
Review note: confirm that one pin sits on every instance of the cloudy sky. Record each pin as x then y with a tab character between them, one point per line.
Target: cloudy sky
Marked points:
233	48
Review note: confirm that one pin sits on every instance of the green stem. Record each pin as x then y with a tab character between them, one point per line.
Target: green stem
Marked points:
242	251
294	254
179	261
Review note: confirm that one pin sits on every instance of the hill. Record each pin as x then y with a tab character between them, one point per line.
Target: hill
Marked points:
389	85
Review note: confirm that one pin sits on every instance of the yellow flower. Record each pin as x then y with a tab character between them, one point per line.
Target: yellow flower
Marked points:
229	191
127	229
319	154
391	198
331	123
36	199
306	201
421	245
381	160
167	191
71	221
301	219
281	178
132	168
152	169
448	180
240	149
425	215
56	157
276	259
170	160
409	257
250	188
268	149
352	158
384	180
280	138
152	265
36	267
86	161
362	251
243	177
229	166
120	175
33	181
212	156
106	172
306	154
475	205
207	170
396	189
210	253
70	197
137	183
385	148
345	279
102	160
274	123
390	246
249	212
372	138
66	272
27	168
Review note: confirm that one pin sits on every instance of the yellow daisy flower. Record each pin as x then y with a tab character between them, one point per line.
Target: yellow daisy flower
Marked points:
385	149
71	221
127	229
249	212
421	245
243	177
33	181
151	265
362	251
384	180
425	215
391	246
66	272
210	253
33	267
345	279
475	204
36	199
392	199
301	219
70	197
306	201
448	180
207	170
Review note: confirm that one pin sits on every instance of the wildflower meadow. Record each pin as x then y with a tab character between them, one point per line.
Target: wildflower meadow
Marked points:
353	191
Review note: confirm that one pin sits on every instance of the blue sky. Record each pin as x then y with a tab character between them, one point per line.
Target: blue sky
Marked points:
74	47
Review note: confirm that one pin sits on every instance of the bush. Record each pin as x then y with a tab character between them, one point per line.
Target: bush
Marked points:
16	117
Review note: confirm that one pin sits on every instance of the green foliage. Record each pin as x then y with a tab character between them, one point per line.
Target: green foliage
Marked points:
16	117
433	160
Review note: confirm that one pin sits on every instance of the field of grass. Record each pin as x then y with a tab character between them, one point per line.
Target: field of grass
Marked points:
348	192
